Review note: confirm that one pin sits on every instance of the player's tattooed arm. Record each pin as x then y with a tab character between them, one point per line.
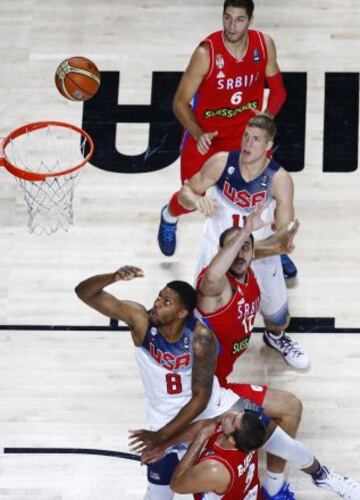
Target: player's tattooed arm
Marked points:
91	291
204	353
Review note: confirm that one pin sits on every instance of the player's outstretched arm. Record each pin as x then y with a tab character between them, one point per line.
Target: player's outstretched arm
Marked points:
190	195
91	291
278	243
214	280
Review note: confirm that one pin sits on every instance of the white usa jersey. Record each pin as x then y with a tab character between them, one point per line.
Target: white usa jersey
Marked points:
166	372
236	198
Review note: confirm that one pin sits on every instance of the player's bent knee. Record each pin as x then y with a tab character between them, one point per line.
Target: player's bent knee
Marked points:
279	404
277	322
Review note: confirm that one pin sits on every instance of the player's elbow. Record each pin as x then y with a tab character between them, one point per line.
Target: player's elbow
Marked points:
178	487
177	105
79	290
175	485
82	292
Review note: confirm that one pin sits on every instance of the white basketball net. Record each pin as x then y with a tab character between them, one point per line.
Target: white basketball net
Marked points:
48	150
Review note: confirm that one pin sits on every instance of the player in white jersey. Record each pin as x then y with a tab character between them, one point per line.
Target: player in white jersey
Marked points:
241	180
176	355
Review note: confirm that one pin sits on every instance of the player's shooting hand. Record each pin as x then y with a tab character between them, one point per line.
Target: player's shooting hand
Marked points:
141	439
206	205
205	140
127	273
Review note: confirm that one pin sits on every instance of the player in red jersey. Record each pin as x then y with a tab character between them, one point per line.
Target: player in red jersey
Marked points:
227	468
225	82
228	292
228	300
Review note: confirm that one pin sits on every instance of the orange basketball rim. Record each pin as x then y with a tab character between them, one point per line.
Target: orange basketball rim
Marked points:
46	159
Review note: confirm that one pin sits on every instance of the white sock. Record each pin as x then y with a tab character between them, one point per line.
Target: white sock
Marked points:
291	450
275	335
168	217
273	482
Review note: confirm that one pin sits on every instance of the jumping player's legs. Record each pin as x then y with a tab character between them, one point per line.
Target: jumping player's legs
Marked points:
191	161
274	309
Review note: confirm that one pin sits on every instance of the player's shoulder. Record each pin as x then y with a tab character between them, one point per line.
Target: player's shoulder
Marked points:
269	42
282	175
203	337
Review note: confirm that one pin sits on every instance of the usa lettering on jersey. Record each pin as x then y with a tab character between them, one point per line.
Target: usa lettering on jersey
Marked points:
167	360
242	198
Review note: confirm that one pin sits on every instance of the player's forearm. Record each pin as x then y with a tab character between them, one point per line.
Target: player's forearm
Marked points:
277	94
187	119
188	460
267	248
89	288
187	414
187	197
224	259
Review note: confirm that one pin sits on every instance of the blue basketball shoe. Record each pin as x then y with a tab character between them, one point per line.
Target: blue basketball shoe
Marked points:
289	268
284	494
167	235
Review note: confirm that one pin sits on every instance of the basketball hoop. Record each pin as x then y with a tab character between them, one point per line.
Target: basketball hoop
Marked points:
47	158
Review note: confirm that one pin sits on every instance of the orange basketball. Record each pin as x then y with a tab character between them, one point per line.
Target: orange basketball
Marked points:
77	78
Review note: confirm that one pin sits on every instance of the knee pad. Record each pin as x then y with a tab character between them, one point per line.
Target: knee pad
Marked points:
280	318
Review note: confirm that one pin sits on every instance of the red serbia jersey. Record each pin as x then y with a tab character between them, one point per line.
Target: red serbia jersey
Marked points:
231	90
243	468
233	323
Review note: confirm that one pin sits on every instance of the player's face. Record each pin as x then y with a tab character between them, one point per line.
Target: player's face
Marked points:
255	144
243	259
236	23
230	421
167	308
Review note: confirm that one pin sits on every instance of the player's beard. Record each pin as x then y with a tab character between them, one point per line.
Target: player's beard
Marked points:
239	269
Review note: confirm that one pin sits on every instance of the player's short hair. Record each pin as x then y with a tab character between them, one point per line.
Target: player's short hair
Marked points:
186	292
228	231
248	5
252	433
263	122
